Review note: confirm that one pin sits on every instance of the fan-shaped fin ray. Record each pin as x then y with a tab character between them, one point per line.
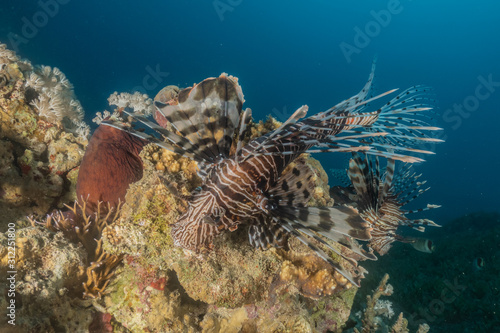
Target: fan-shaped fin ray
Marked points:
207	115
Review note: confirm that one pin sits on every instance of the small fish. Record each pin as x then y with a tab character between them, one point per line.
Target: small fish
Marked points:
478	263
423	245
245	184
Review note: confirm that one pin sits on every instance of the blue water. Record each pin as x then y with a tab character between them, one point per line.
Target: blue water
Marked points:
287	54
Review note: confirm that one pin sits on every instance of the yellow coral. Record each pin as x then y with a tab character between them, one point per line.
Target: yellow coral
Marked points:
309	275
183	168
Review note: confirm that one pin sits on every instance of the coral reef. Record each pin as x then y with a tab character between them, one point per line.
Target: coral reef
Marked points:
38	159
86	229
122	258
162	288
376	309
49	268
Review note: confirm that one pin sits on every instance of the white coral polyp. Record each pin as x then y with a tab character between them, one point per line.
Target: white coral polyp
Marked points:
55	100
141	103
6	55
384	308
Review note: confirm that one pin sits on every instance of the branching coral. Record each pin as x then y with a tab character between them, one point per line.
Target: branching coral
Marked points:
376	308
49	93
77	225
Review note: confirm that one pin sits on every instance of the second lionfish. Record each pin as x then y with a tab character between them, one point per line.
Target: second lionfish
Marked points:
245	184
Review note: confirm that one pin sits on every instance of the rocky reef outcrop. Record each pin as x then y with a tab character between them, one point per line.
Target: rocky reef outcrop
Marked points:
39	154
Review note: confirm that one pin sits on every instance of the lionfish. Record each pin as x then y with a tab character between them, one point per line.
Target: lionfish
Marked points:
380	199
245	184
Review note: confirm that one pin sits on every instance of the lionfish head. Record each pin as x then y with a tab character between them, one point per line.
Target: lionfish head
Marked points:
196	229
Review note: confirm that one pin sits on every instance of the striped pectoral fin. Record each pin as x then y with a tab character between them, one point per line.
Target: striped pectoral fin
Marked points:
207	114
174	143
330	221
266	232
333	223
245	120
292	230
362	179
295	186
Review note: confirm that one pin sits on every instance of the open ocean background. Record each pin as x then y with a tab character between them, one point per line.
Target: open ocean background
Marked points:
287	54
